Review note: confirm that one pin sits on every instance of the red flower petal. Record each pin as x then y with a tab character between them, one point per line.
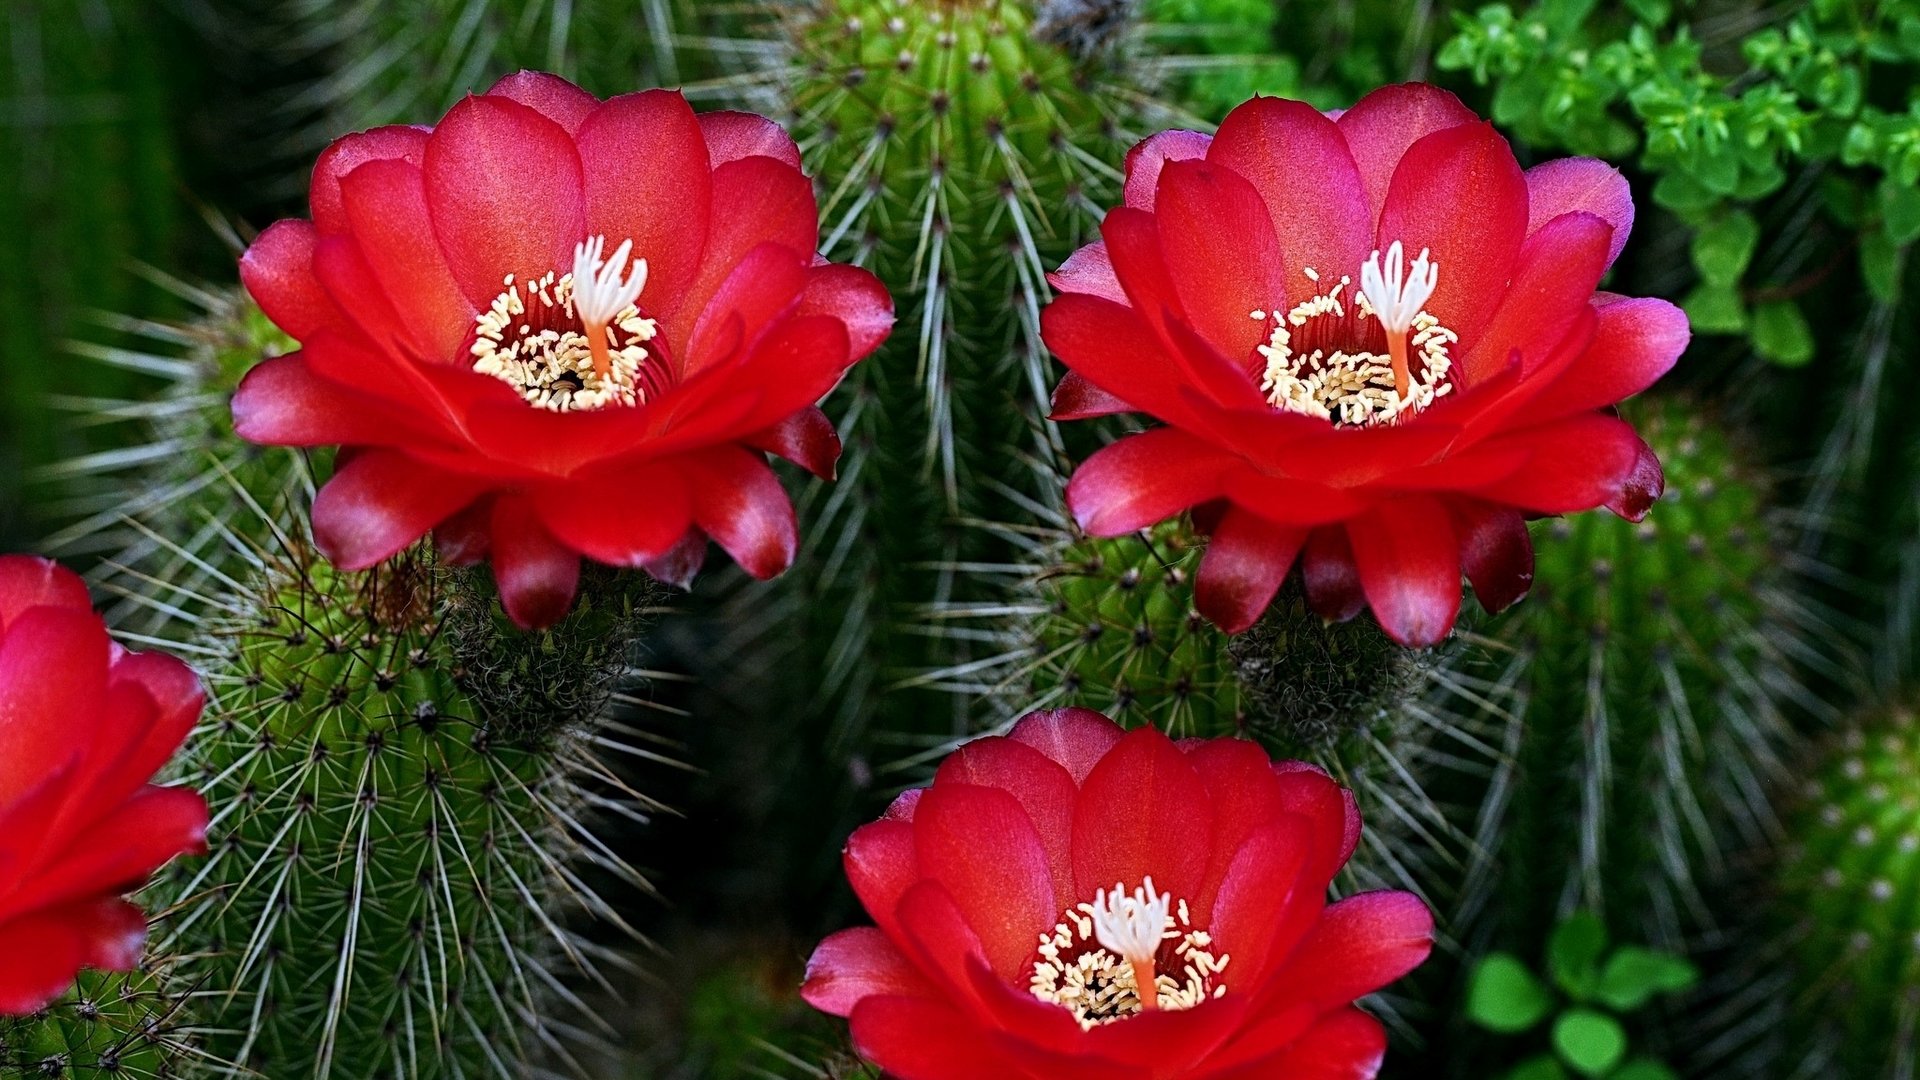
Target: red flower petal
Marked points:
46	950
1144	479
1578	463
1495	552
1076	398
1641	487
537	575
1269	897
620	516
916	1039
549	95
1332	581
1635	342
1358	946
349	153
1345	1045
1581	184
981	847
1137	815
1221	253
1042	787
682	562
753	299
380	502
806	438
281	402
1460	193
1076	739
464	539
386	205
53	676
118	851
277	270
1146	159
504	184
1553	283
1246	798
1308	791
1090	271
881	866
756	200
731	136
649	180
1300	163
1246	560
1170	1043
739	502
855	964
1409	563
856	298
1381	126
28	581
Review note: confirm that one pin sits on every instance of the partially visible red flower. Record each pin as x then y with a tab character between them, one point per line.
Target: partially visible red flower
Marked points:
553	327
1376	347
84	724
1075	901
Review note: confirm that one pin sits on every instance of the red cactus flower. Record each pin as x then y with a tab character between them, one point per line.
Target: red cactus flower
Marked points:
554	327
84	724
1386	423
1073	901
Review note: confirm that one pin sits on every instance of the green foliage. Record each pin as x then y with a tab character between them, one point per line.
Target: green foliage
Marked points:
1723	123
1847	902
393	867
110	1026
1588	1037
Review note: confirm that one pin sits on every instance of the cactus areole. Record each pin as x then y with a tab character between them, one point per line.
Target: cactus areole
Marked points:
84	724
1072	899
1376	347
554	327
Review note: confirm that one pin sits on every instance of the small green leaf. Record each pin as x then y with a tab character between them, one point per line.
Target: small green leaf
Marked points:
1716	309
1504	996
1644	1069
1678	191
1723	249
1632	975
1544	1067
1591	1043
1573	954
1900	206
1880	265
1781	333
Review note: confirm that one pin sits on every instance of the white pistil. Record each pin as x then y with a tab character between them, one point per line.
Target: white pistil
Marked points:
1396	293
1355	387
601	293
1131	927
1101	961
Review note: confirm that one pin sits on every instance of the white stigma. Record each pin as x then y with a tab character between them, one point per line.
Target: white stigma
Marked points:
1131	927
600	293
1398	292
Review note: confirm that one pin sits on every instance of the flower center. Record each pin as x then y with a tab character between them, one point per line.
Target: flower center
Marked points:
576	340
1125	954
1368	366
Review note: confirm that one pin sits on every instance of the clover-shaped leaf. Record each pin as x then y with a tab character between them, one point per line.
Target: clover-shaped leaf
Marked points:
1573	954
1633	975
1591	1043
1504	996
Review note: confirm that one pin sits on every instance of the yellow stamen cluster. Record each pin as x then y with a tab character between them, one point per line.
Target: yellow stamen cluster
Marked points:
532	339
1099	986
1351	388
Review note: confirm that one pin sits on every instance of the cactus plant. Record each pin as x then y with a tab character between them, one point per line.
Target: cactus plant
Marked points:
1645	690
394	853
118	1026
1846	904
159	512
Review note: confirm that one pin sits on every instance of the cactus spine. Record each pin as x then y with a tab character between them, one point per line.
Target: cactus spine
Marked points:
1644	690
393	860
111	1026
